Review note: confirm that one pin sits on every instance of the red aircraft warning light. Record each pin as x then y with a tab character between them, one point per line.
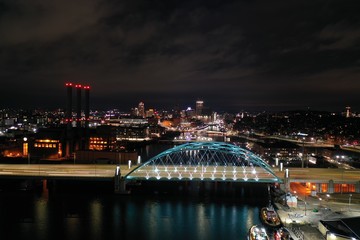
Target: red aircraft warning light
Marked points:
78	85
68	84
86	87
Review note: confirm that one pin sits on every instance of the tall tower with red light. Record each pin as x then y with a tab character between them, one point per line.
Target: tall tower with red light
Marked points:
77	138
87	105
68	114
78	105
87	116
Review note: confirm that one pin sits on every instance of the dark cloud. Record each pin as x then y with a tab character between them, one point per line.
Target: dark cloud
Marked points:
233	54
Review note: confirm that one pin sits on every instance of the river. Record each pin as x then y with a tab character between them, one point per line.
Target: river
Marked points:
153	211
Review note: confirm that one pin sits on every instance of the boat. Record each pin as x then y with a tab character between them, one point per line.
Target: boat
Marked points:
269	217
282	234
257	232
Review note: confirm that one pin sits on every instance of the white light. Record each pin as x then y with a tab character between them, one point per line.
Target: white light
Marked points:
332	236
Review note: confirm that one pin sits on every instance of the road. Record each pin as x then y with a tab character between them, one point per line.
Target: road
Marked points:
314	175
61	170
321	175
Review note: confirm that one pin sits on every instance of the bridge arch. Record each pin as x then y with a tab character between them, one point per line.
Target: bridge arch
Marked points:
210	161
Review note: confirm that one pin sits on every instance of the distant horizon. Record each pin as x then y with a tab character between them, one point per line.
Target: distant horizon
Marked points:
184	108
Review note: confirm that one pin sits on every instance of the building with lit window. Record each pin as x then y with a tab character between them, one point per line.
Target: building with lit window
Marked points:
278	149
133	133
103	138
47	144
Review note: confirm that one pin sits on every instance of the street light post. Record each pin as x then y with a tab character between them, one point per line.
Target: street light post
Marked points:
327	199
305	203
350	195
303	153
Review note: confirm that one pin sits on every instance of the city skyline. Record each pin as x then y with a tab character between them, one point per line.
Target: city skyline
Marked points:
233	55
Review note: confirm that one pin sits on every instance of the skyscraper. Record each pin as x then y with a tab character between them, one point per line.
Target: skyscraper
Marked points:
199	107
141	109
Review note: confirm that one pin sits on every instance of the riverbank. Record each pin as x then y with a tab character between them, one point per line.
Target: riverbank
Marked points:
303	220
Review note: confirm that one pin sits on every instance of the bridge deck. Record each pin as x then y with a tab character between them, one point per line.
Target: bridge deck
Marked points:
214	173
99	171
321	175
61	171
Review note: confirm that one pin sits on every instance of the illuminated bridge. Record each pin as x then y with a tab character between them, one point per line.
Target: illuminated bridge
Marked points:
208	161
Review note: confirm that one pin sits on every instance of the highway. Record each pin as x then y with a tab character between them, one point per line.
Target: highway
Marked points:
106	171
321	175
66	171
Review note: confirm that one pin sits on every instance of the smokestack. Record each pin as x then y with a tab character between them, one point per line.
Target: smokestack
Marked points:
68	115
87	115
87	106
78	105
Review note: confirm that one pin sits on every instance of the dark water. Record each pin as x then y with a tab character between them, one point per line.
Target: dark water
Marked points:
224	213
75	210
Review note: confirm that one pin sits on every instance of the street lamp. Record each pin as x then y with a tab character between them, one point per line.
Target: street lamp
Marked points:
26	149
350	195
327	199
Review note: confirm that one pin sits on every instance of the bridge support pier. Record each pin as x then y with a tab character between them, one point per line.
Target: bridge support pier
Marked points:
51	185
331	186
287	180
318	188
120	185
357	187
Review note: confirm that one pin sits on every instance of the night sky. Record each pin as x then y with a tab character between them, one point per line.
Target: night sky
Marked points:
234	55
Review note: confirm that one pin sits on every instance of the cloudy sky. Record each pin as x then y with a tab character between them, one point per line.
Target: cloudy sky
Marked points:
234	55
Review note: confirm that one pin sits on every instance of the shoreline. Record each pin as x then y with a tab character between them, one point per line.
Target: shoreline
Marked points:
303	220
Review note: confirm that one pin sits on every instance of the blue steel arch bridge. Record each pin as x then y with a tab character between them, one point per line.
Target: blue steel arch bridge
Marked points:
205	161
